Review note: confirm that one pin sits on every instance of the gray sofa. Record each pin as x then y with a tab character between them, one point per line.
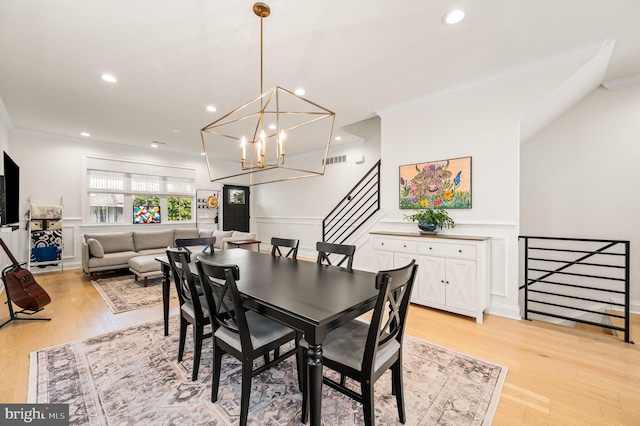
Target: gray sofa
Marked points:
109	251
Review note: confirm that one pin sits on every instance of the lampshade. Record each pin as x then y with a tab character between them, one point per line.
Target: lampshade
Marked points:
269	138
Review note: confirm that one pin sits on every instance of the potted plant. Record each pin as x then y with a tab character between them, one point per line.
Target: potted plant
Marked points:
430	220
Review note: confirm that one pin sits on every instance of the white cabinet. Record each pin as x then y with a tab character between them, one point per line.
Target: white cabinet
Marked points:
453	272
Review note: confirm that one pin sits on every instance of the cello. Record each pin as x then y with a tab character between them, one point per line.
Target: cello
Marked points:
22	289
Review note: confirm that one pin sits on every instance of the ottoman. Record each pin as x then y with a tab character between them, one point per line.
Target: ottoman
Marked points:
145	267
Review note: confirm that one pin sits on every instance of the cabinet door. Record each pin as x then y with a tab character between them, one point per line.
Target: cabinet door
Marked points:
403	259
382	260
461	284
431	283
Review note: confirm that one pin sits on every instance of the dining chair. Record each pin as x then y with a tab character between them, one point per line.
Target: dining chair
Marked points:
364	352
344	250
205	242
292	244
246	335
193	308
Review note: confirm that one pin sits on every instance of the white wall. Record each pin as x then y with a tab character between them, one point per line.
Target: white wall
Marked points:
578	176
4	142
52	168
295	209
475	125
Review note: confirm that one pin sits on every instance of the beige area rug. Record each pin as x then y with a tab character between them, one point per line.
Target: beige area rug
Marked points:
132	377
124	293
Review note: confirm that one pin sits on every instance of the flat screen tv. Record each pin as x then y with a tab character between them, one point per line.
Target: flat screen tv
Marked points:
11	196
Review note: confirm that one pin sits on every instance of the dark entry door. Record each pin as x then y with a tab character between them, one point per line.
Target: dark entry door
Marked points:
235	208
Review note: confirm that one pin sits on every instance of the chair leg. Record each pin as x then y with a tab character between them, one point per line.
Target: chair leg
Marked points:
396	380
198	331
247	373
367	402
217	367
183	337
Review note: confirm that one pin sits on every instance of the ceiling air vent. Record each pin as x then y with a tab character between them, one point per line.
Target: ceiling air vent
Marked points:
335	160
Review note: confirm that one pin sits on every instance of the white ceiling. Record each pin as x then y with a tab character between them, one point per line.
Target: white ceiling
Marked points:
173	58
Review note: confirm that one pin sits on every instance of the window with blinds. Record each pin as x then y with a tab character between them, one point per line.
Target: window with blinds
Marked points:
114	184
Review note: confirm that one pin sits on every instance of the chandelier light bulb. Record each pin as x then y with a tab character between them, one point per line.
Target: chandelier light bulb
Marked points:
243	149
281	139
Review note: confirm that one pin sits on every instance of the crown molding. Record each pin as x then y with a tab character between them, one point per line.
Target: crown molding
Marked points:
581	52
620	83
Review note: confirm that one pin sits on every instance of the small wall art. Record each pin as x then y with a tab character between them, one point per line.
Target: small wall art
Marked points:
146	214
444	183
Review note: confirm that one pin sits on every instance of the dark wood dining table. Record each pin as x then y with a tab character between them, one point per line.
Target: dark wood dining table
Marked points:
306	296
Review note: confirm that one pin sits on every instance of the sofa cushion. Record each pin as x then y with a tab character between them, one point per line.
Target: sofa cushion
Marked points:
206	233
221	235
114	242
115	260
152	239
246	235
153	251
185	233
95	248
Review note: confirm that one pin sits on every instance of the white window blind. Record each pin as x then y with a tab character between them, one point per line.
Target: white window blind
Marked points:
133	178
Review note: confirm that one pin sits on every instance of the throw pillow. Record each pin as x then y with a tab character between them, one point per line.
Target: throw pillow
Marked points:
95	248
220	235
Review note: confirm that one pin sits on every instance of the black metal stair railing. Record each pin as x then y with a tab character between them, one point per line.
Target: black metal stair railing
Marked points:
355	209
579	280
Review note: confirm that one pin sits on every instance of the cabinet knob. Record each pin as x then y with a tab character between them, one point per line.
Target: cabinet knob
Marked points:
441	281
404	245
430	248
459	251
447	282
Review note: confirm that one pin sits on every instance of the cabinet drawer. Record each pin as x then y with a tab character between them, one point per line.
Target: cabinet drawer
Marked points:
461	251
395	245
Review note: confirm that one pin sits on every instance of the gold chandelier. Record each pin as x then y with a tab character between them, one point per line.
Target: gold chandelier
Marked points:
250	143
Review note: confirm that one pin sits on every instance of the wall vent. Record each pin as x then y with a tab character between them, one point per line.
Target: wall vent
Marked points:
335	160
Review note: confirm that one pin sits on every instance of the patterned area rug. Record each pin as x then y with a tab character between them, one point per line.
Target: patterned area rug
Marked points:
124	293
132	377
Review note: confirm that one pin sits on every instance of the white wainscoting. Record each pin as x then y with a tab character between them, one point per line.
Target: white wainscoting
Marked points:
306	229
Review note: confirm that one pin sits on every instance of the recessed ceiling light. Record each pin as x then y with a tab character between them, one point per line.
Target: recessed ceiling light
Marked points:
176	131
109	78
272	126
85	134
453	17
154	145
300	91
203	153
338	138
211	108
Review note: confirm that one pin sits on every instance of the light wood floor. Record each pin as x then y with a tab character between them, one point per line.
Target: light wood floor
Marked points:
557	376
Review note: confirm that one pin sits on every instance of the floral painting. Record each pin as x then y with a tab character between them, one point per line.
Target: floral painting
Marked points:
445	184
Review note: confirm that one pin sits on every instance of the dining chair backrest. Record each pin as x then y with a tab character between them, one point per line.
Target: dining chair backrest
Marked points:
291	244
207	242
221	290
186	286
390	311
344	250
